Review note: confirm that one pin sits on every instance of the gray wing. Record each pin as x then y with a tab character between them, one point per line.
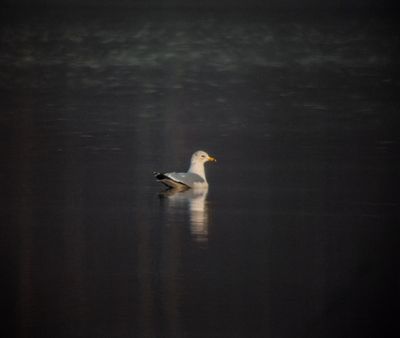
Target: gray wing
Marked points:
188	179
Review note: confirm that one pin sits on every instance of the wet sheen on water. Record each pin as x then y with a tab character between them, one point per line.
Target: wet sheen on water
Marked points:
295	236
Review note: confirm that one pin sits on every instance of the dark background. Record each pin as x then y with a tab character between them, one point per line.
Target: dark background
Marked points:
301	112
287	4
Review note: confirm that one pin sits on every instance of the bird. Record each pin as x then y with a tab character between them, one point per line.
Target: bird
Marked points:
195	177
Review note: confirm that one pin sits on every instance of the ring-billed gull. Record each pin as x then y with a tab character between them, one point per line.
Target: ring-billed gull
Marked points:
195	177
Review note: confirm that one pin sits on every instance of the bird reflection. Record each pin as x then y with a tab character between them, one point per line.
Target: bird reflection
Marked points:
194	200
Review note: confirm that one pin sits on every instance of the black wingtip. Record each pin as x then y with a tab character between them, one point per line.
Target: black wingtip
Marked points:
159	176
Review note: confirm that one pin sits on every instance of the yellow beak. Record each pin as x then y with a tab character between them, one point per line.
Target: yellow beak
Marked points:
212	159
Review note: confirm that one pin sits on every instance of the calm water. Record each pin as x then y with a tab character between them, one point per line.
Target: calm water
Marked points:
296	234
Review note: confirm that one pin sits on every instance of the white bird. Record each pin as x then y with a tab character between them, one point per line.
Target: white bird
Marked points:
195	177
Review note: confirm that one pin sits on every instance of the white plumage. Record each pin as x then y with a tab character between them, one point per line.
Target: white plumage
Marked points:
195	177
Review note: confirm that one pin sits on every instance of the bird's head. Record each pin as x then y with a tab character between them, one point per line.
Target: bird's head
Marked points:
202	157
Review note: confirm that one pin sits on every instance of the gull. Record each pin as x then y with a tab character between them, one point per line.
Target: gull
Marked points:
195	177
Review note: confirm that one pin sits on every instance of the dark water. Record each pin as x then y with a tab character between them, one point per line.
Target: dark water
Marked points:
296	236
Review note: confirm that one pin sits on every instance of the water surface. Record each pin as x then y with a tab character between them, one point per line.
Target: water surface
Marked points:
295	236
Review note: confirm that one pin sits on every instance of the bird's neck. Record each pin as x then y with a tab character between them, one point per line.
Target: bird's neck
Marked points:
197	168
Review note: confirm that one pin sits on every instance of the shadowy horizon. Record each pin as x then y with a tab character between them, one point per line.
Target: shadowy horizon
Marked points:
209	4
